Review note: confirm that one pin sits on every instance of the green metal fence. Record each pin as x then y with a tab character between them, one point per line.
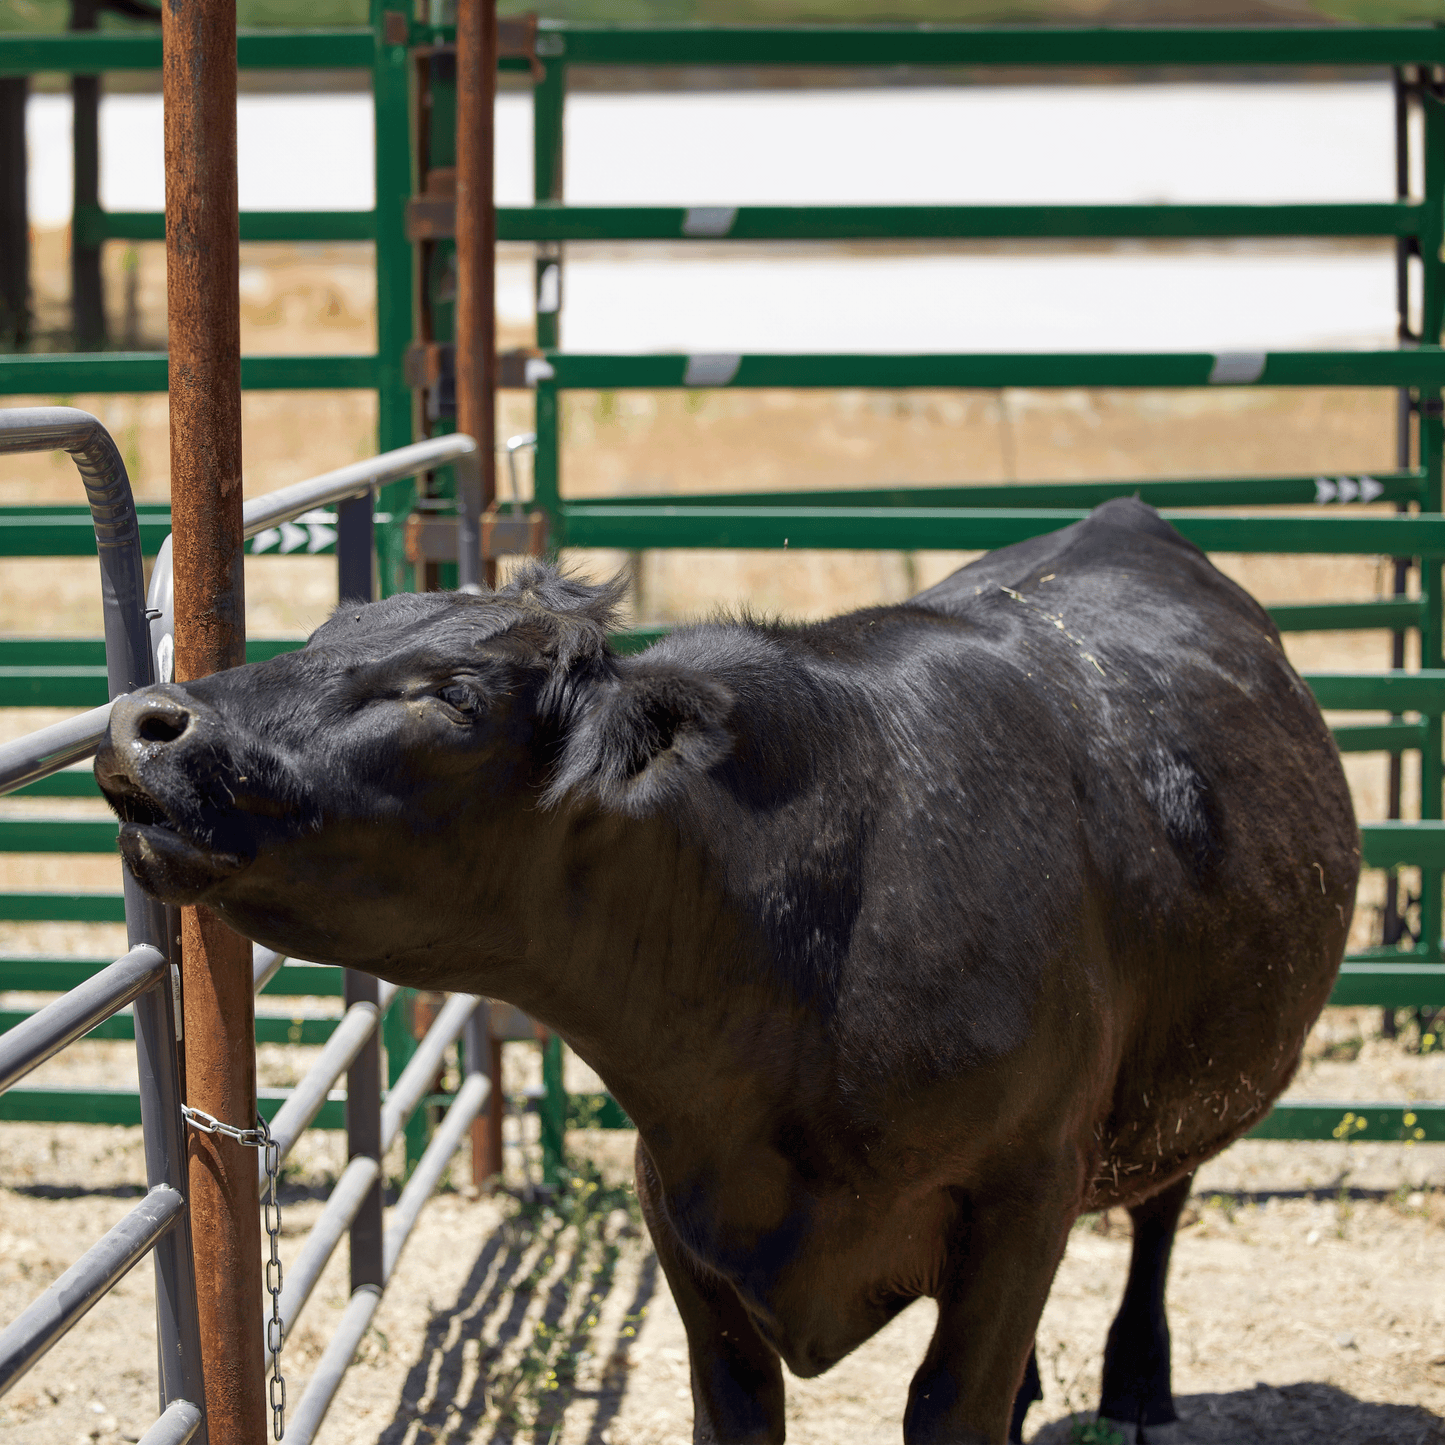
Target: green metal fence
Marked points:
51	672
979	517
411	228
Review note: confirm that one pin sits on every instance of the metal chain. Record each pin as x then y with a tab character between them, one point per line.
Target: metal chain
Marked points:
260	1138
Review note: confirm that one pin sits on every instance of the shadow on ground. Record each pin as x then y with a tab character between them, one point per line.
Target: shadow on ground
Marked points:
1303	1414
500	1364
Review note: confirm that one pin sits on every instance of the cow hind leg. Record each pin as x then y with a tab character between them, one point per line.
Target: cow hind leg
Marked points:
1137	1398
1032	1389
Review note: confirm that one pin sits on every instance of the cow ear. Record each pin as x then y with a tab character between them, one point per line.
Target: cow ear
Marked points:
646	732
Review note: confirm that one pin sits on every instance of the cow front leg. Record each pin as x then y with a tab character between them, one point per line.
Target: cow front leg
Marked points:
1137	1397
1032	1389
737	1378
1001	1262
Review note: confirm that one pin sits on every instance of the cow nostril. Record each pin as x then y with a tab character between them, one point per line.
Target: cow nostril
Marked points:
162	727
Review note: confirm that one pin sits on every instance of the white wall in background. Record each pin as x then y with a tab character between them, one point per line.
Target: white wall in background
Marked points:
988	144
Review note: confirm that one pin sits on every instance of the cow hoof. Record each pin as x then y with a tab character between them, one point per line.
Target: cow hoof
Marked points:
1171	1433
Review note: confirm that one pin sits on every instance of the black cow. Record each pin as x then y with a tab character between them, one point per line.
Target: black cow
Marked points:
904	937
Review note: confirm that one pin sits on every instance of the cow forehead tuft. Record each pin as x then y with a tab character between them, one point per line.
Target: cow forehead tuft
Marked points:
454	624
424	616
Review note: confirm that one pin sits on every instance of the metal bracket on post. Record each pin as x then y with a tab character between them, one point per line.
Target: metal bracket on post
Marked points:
433	538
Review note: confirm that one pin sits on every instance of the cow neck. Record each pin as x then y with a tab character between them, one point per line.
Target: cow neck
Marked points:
638	958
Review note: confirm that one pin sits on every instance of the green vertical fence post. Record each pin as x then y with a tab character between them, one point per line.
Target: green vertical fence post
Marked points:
1432	438
552	1110
391	93
1432	646
400	1039
546	470
549	99
438	283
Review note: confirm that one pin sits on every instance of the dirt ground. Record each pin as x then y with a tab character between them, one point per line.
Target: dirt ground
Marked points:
1307	1296
1308	1291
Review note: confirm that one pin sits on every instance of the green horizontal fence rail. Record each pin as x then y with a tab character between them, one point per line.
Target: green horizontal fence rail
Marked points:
92	225
64	531
549	221
122	1106
73	677
1423	366
907	529
82	53
862	46
937	46
1382	1123
121	372
1178	492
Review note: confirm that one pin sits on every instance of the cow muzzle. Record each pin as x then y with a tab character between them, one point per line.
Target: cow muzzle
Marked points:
166	769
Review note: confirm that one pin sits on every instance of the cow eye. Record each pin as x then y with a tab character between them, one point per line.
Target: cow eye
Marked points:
462	698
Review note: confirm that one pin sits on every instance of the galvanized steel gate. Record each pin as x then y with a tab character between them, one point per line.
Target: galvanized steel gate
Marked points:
137	634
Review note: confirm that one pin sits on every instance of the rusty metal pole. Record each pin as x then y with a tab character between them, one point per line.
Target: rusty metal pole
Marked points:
476	345
476	240
202	294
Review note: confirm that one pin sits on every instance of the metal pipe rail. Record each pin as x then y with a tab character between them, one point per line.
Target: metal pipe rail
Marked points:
46	1032
421	1068
117	533
93	1275
285	503
340	1209
362	1172
357	1025
162	1222
265	965
48	750
334	1362
178	1423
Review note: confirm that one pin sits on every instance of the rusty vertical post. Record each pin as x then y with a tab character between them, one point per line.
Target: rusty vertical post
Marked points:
202	278
476	330
476	239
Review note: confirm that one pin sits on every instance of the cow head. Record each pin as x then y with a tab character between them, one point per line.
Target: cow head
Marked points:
387	791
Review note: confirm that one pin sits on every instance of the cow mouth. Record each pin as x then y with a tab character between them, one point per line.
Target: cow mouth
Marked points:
171	857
